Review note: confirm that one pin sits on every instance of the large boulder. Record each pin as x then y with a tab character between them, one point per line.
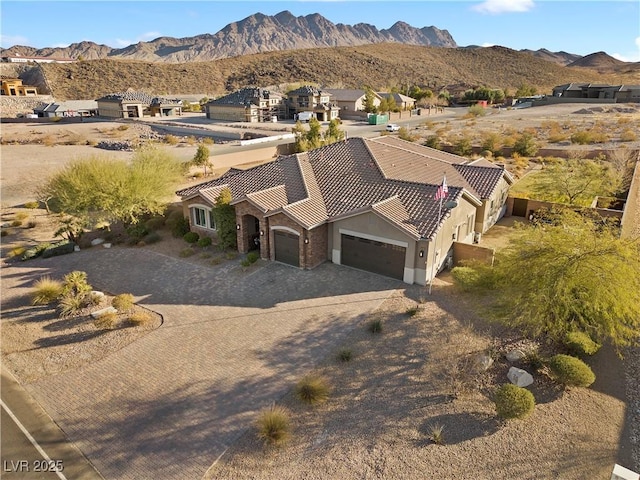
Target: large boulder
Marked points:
519	377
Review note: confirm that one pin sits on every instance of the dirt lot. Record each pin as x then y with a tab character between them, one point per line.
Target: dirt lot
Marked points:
401	383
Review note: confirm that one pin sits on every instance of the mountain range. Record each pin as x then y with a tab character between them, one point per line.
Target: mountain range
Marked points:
260	33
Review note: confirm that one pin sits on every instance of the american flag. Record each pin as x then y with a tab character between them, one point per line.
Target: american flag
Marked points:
442	189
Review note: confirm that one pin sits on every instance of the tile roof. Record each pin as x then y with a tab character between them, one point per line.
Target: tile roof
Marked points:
139	97
245	97
344	95
396	180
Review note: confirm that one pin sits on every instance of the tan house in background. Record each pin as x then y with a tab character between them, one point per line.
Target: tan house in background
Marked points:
13	87
402	101
366	203
351	102
247	105
137	105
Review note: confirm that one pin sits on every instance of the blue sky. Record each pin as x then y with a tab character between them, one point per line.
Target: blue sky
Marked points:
580	27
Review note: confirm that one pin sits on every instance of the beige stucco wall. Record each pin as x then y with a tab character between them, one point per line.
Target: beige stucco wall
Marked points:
492	208
231	113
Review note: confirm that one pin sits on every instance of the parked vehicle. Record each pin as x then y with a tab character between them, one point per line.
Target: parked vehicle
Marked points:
305	116
392	127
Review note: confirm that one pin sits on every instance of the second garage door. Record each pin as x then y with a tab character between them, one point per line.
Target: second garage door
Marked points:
287	247
372	256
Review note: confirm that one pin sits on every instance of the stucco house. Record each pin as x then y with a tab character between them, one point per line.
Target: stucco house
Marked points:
350	101
247	105
137	105
14	87
402	101
366	203
593	91
311	99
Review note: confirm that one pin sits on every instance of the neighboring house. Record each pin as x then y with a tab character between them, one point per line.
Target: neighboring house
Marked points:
349	101
247	105
70	108
612	93
137	105
14	87
23	59
311	99
365	203
402	101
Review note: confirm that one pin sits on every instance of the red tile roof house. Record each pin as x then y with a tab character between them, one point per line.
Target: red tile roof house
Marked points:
364	203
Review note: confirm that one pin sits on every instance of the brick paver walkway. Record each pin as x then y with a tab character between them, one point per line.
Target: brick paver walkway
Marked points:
168	405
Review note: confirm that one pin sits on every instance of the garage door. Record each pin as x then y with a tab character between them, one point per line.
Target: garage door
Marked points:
287	247
372	256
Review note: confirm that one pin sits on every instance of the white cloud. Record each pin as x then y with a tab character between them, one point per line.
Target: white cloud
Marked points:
7	41
488	44
631	56
145	37
496	7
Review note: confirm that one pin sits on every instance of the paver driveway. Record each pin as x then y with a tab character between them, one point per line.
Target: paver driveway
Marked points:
168	405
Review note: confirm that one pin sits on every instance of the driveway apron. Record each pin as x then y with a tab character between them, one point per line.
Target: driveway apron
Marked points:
232	342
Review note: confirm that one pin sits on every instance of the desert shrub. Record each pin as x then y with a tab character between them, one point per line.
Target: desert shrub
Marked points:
433	141
187	252
4	232
171	139
155	223
140	318
436	434
191	237
21	216
70	305
32	205
582	137
345	355
513	402
106	321
16	223
476	111
274	426
231	255
628	136
137	231
557	137
215	261
571	371
375	326
579	343
312	389
123	128
45	291
32	224
533	360
208	141
123	302
75	284
153	237
62	247
406	135
525	145
204	242
17	251
253	257
34	252
177	223
245	262
463	146
474	277
411	311
191	140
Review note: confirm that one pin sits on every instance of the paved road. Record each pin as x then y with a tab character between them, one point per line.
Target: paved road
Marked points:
168	405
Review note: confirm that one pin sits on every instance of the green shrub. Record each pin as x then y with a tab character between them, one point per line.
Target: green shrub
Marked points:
204	242
533	360
579	343
75	284
45	291
106	321
245	262
474	277
433	142
16	223
571	371
312	389
177	223
274	426
59	248
477	111
187	252
345	355
123	302
231	255
32	205
411	311
34	252
525	145
153	237
375	326
191	237
513	401
253	257
22	216
137	231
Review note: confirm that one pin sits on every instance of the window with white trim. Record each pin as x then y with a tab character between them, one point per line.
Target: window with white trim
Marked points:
202	217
